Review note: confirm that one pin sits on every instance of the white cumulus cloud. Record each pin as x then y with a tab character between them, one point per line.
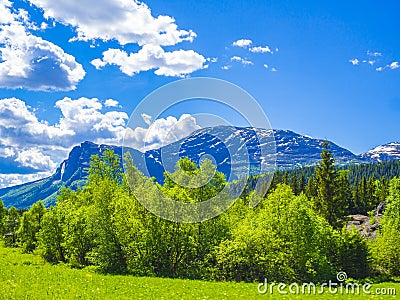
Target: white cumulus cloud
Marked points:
28	61
111	103
242	43
175	63
126	21
7	180
354	61
85	120
260	49
394	65
241	60
147	119
35	159
26	141
160	132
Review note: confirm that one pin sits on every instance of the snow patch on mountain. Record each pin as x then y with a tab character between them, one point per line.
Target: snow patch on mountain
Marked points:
385	152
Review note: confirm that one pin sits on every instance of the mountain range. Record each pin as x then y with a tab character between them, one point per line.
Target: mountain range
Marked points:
292	151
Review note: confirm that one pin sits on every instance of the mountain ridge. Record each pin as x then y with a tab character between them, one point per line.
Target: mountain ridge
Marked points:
292	151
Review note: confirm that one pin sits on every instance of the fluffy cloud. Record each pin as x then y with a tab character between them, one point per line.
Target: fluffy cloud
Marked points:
260	49
375	58
160	132
354	61
126	21
35	159
7	180
147	119
37	146
7	152
242	43
241	60
394	65
83	119
19	125
111	103
246	43
28	61
175	63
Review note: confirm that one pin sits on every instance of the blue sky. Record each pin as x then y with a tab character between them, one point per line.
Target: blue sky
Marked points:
72	71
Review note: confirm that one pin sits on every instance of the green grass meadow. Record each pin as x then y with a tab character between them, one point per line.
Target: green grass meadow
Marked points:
27	276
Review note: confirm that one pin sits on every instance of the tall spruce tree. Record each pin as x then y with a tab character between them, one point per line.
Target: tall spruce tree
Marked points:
295	185
326	175
302	183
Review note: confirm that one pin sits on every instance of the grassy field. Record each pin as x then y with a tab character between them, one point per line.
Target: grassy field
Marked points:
27	276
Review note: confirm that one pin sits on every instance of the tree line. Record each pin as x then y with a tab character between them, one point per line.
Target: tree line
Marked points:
360	187
294	234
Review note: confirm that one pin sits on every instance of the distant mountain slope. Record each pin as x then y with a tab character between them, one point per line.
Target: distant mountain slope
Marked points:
295	150
72	172
292	150
385	152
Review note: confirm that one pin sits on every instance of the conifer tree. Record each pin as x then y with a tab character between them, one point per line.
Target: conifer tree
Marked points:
302	183
295	185
326	175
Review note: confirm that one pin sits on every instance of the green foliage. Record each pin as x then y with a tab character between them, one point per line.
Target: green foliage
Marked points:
285	240
343	194
11	224
386	248
368	184
30	225
326	175
27	276
290	236
352	254
51	237
3	213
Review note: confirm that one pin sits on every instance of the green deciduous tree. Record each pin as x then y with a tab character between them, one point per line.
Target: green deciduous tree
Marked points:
51	236
11	224
105	177
351	253
3	213
284	241
386	248
30	225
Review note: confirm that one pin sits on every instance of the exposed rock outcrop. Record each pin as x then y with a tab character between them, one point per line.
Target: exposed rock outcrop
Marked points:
366	225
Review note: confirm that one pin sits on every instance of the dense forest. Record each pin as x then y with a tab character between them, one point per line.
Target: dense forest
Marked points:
297	232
